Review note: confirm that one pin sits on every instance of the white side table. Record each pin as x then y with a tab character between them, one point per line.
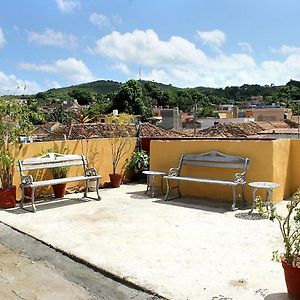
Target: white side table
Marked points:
269	186
151	175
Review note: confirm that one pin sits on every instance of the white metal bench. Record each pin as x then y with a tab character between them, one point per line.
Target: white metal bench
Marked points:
54	160
211	159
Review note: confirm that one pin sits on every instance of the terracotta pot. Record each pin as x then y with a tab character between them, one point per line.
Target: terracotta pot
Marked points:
27	194
292	279
59	190
8	197
115	180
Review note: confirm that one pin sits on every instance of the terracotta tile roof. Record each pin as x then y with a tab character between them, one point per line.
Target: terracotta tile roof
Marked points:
230	130
100	130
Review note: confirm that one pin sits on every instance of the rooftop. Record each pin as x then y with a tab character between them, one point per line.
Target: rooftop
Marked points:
182	249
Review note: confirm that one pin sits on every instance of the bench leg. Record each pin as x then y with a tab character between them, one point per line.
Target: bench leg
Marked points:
172	188
168	190
23	198
86	188
243	196
233	206
32	199
178	189
97	190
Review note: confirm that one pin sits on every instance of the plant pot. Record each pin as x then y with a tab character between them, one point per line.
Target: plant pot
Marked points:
8	197
292	279
115	180
59	190
27	194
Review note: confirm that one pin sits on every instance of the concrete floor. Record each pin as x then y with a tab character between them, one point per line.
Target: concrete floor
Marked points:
183	249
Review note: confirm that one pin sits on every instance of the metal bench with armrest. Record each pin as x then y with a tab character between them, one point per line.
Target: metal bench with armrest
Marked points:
50	161
211	159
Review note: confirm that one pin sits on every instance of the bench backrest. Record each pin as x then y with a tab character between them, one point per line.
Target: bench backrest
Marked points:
51	160
215	159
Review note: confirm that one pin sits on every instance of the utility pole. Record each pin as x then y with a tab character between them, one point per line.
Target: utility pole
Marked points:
140	73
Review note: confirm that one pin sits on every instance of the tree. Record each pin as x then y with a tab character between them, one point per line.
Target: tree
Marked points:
83	97
130	99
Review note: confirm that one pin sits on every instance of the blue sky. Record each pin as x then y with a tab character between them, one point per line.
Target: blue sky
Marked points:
187	43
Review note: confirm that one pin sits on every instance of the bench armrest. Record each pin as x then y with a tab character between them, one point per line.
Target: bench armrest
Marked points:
90	172
240	177
174	172
26	180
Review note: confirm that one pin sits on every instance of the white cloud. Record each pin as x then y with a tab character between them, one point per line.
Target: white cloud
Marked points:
72	70
2	38
100	20
286	50
11	85
179	62
122	68
214	38
103	21
52	84
52	38
245	47
144	47
67	6
117	20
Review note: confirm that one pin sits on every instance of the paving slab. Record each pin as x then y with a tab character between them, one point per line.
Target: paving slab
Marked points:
183	249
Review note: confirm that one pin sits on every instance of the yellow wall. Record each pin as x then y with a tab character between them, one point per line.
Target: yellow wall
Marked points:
99	156
273	161
225	114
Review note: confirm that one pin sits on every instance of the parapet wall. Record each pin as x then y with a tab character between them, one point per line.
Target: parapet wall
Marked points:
98	152
271	160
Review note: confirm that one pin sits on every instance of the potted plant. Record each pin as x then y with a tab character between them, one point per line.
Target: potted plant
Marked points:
86	131
14	123
119	139
138	162
289	226
60	189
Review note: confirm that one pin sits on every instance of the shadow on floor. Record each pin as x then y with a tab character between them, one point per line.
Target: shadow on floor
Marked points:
277	296
217	206
47	204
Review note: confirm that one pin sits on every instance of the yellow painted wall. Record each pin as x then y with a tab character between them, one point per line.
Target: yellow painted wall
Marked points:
98	154
225	114
270	161
294	165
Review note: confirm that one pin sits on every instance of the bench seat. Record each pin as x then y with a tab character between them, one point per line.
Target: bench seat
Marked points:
202	180
62	180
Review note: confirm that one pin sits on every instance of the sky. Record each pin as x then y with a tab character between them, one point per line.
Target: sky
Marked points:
214	43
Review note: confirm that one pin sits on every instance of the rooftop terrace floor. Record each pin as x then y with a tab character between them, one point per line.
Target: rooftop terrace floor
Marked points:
182	249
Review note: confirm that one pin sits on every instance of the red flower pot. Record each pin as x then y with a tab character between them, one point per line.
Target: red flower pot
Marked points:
27	194
59	190
292	279
8	197
115	180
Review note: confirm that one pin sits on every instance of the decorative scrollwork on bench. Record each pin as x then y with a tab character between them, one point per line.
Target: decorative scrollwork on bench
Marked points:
90	172
239	177
174	172
27	180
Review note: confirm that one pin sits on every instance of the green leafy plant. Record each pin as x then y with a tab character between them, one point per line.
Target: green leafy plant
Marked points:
60	172
289	226
138	162
14	123
119	139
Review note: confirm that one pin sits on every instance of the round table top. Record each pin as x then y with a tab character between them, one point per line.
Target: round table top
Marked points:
264	184
150	172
